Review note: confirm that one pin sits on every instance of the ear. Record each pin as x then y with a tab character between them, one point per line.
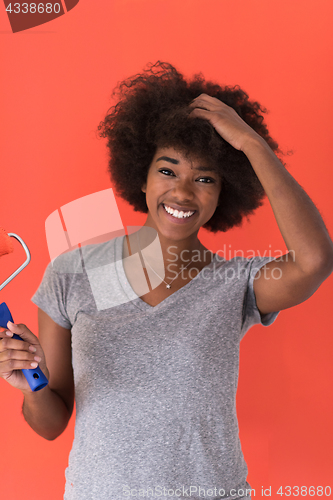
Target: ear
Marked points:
144	187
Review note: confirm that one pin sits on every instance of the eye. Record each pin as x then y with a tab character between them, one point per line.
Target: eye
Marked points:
162	170
207	179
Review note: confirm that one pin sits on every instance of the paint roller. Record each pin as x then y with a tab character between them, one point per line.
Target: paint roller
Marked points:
35	377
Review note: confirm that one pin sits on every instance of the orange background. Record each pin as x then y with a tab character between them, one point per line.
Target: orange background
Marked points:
55	88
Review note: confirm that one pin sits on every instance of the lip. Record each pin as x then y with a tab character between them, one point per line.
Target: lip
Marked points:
175	220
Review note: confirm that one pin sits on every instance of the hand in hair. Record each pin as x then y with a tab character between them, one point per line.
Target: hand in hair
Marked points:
225	120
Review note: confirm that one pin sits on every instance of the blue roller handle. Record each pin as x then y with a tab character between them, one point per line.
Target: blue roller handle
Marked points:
35	377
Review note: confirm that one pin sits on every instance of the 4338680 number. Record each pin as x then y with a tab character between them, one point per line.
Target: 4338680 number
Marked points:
34	8
303	491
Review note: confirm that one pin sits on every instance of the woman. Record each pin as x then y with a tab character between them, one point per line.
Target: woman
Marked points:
155	370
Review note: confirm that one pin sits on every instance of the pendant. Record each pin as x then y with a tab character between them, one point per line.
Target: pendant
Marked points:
168	286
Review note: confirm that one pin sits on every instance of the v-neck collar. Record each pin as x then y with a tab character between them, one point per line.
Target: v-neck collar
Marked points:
131	294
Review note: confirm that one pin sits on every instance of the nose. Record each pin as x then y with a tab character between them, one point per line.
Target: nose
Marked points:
183	191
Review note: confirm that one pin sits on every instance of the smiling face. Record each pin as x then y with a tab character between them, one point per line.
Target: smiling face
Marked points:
175	182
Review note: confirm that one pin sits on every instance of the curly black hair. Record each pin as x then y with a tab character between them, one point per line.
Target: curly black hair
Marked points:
152	111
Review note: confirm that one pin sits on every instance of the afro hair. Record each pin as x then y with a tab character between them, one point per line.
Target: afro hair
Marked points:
152	111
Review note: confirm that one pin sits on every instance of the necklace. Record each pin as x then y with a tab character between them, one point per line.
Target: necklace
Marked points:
168	285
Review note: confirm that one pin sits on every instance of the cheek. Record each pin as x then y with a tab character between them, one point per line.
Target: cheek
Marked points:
157	188
213	201
212	196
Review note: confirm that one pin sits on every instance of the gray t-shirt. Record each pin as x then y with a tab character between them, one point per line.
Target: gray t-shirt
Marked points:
155	387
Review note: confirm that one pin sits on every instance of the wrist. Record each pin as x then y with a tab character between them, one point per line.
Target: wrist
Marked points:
254	143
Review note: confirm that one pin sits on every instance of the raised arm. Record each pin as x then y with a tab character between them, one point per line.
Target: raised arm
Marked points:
294	277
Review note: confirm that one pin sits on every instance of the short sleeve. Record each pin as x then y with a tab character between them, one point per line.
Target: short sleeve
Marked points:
51	295
251	314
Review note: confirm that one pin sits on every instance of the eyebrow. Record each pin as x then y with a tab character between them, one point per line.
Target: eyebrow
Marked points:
176	162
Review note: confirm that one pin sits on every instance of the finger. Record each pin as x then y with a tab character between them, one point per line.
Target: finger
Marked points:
200	113
18	356
204	96
200	103
15	364
207	99
5	334
211	104
207	106
15	344
23	332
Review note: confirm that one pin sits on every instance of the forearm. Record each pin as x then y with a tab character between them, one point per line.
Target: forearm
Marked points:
46	413
299	221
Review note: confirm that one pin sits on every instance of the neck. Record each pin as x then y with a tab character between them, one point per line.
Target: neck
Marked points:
158	248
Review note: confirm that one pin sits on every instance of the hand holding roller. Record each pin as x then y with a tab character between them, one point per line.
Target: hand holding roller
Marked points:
35	377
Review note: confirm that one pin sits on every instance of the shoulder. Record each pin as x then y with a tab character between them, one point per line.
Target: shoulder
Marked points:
84	258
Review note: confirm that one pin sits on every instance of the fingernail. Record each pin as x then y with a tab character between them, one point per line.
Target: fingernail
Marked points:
11	324
10	334
34	365
37	358
32	348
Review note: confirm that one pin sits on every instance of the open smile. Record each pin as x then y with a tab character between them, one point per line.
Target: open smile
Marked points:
179	217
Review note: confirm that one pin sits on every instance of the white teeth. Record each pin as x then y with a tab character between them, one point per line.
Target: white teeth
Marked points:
176	213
